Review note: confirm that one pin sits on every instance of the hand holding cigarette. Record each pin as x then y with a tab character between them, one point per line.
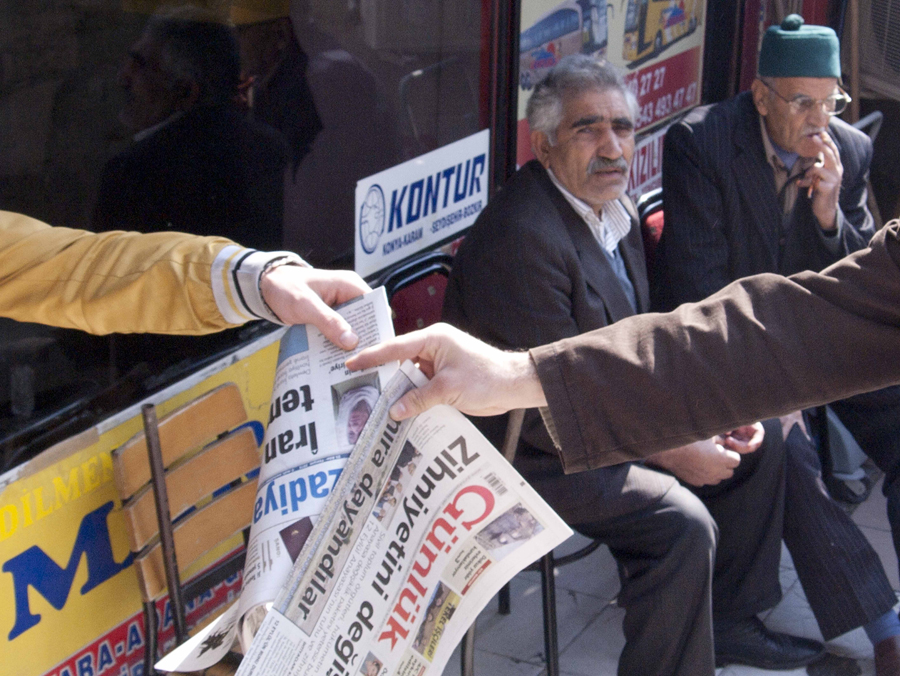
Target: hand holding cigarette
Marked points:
823	182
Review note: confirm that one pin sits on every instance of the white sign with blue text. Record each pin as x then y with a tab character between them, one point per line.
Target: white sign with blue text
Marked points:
413	206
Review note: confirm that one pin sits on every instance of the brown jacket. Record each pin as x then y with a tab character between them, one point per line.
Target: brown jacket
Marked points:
760	347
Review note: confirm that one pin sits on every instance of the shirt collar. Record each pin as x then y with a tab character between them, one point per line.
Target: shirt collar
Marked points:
610	227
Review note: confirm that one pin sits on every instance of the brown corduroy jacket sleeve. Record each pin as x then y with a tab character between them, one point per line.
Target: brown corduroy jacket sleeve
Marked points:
761	347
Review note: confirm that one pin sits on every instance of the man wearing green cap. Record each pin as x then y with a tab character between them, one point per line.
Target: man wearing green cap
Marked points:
772	181
769	181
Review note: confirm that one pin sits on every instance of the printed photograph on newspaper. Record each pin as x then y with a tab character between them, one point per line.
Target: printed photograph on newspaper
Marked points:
426	523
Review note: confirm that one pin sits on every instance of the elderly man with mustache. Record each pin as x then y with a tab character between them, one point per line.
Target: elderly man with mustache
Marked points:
696	531
772	181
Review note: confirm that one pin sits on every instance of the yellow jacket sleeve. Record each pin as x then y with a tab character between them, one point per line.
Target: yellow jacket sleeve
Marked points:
127	282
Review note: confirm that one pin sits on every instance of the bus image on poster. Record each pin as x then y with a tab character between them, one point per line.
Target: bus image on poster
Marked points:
572	27
652	25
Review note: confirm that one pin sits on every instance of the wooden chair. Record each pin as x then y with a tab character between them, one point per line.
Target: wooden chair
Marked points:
547	565
184	489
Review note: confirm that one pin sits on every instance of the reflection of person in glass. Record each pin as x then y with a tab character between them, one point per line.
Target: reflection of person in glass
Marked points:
353	412
331	110
196	165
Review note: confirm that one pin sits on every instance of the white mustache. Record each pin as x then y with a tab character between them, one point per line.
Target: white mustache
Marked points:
598	164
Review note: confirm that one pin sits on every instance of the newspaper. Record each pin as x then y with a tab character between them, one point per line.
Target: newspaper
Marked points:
426	523
317	412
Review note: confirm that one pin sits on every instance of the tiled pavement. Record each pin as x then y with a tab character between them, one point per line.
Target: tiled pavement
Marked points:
590	633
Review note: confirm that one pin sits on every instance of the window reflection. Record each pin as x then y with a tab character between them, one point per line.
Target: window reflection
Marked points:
331	110
260	136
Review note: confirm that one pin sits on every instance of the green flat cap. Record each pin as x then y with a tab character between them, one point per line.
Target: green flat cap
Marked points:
796	50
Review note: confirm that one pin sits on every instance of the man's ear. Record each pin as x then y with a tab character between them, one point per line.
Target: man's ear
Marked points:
760	94
540	145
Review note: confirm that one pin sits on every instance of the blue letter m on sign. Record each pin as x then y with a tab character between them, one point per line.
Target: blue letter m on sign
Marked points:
33	568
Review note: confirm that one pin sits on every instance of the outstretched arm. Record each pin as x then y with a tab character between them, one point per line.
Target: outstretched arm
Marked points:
652	382
160	283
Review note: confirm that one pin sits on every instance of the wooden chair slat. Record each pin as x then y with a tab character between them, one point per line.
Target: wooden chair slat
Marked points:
182	430
195	535
217	465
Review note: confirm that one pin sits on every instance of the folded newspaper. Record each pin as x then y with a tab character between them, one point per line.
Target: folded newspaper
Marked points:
425	523
317	411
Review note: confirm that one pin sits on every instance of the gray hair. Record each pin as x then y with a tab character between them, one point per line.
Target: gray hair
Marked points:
195	46
571	76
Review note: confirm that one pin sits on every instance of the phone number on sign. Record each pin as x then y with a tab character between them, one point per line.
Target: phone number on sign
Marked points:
656	100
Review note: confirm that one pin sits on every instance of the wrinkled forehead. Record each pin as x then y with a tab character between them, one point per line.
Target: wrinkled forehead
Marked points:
604	104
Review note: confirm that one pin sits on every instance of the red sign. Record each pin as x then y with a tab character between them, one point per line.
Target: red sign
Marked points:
120	652
646	167
666	88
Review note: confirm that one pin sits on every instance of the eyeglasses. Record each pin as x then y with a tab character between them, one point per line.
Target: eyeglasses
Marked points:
802	104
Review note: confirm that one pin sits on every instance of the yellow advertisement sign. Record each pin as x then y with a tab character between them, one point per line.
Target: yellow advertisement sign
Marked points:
69	600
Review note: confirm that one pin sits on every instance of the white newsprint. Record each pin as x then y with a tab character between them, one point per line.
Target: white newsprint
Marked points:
318	411
426	523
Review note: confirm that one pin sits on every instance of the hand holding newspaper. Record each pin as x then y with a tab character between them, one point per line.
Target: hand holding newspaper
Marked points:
425	524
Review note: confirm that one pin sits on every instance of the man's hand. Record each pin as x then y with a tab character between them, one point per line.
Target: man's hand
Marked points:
706	463
299	295
788	421
746	439
465	373
823	181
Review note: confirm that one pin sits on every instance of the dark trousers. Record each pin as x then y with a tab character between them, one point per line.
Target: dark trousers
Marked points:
664	541
873	418
841	574
675	577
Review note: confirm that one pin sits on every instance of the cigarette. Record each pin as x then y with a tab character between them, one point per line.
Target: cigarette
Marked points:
812	187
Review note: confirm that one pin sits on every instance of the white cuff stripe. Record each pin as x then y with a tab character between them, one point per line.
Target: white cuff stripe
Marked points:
224	290
235	279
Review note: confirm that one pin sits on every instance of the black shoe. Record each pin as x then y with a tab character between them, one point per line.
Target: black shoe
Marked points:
750	642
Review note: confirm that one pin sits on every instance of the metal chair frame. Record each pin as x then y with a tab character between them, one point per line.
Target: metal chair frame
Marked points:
547	565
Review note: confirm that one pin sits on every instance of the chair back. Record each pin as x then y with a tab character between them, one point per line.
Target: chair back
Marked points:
427	127
415	290
871	125
199	495
651	218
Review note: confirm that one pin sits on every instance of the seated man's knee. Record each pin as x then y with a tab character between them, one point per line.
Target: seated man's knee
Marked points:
690	521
